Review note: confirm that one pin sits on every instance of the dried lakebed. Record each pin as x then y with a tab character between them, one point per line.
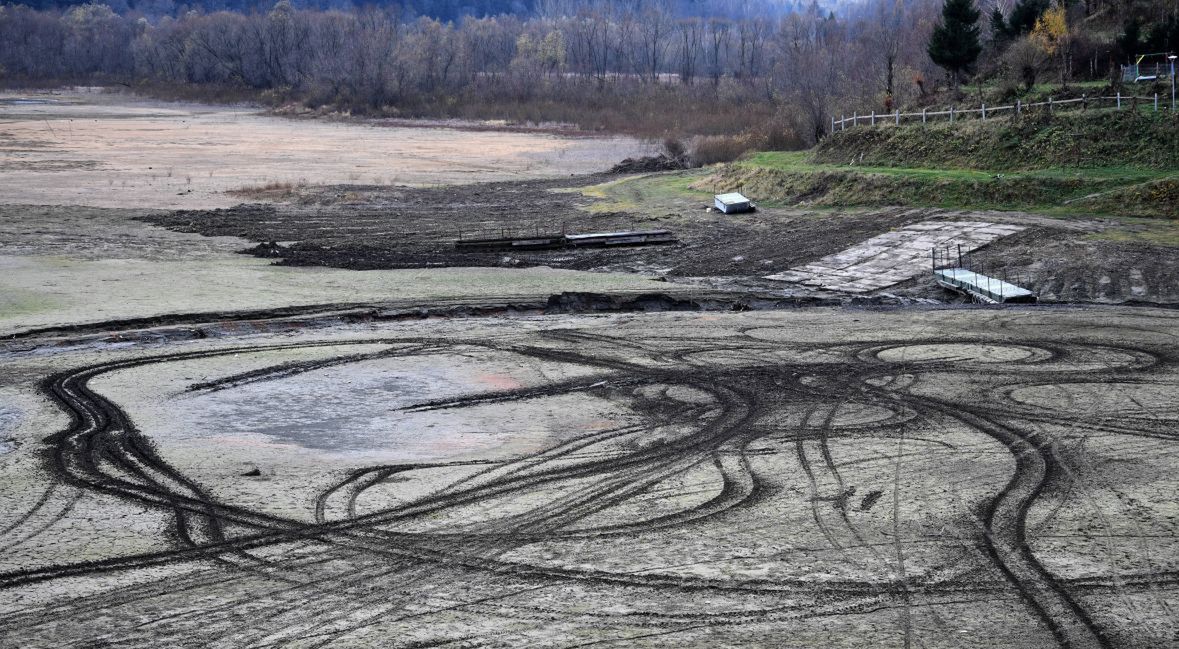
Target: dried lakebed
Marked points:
823	477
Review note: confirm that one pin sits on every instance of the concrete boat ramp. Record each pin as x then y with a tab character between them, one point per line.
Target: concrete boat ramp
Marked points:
893	257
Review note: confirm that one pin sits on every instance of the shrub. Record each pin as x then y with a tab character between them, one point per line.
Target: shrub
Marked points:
711	149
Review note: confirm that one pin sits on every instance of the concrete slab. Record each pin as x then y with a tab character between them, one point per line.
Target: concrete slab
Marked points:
893	257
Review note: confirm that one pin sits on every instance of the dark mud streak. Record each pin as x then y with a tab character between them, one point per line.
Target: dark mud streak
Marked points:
102	451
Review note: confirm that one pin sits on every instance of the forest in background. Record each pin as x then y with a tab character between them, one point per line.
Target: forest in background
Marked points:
735	73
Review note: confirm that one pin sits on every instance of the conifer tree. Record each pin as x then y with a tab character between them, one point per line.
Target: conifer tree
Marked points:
954	44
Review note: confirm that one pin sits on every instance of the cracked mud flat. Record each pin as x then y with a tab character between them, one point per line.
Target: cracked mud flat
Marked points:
818	478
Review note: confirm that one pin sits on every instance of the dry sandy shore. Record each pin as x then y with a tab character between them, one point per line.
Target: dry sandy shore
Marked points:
111	151
76	169
819	478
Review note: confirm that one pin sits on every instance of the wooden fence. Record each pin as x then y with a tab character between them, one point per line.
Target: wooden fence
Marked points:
1118	102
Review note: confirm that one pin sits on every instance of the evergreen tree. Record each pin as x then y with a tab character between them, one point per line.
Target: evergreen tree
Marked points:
1164	36
1000	33
1130	39
1024	15
954	43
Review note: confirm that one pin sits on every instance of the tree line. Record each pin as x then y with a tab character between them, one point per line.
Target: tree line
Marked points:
640	66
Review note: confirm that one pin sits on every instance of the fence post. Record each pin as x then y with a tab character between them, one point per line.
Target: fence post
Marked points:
1049	104
1119	100
923	115
1084	102
1156	102
855	118
1018	107
843	122
873	123
984	112
832	124
898	113
951	114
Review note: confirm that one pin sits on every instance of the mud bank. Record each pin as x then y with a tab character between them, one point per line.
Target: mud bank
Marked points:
651	479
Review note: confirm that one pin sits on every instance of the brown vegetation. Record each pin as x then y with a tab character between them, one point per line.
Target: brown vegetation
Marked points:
646	68
641	69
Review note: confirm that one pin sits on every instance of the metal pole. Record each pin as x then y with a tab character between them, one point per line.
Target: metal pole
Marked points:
984	112
922	115
1018	107
1119	100
873	123
855	119
1049	104
1084	103
898	114
951	114
1172	59
959	255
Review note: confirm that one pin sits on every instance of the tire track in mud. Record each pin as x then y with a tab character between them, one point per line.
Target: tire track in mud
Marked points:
133	489
1005	528
102	451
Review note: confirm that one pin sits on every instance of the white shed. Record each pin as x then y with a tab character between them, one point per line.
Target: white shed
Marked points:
733	203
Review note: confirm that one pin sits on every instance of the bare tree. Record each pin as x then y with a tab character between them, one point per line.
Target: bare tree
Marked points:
719	36
690	31
654	29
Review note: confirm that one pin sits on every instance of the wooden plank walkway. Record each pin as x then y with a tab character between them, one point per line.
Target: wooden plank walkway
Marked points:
555	241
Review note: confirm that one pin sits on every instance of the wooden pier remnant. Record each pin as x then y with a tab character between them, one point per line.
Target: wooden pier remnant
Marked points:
557	241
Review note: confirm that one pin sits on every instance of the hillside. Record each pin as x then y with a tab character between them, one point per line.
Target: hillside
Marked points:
1062	165
1145	140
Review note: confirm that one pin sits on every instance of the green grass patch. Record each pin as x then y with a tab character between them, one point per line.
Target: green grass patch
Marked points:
642	193
800	161
1097	139
1154	232
775	178
1097	164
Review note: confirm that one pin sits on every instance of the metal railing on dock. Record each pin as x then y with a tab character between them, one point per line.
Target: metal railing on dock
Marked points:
976	279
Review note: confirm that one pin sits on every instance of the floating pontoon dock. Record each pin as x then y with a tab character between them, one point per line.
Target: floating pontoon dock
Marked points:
981	287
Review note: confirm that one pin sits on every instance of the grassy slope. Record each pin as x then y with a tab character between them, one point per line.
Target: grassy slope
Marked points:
1136	182
1073	140
791	178
1096	164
